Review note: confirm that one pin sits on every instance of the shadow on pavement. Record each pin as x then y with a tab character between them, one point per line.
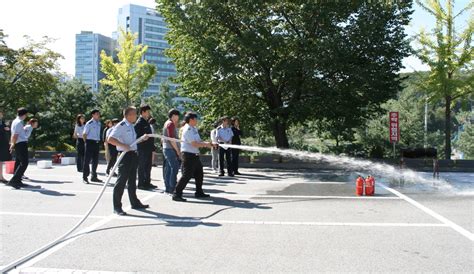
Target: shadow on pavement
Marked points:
47	191
49	182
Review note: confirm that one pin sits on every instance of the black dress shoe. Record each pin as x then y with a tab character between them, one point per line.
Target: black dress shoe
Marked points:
85	181
140	206
221	174
120	212
15	186
142	187
231	175
96	180
152	186
201	195
178	198
237	173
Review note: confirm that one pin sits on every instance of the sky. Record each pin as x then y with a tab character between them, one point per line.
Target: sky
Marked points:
62	19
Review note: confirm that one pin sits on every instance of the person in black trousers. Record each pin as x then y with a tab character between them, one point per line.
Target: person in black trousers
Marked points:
91	138
123	136
111	148
4	151
224	136
78	131
236	141
19	144
145	149
192	166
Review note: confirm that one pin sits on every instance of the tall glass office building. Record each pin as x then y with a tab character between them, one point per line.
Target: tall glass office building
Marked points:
89	45
151	29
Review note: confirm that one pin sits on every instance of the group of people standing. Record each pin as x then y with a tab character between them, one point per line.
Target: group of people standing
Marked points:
121	136
118	136
89	136
226	131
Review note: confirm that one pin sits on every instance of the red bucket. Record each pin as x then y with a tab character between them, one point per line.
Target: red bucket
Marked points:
10	167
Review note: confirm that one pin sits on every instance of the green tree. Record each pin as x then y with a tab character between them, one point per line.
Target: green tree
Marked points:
466	141
130	76
111	106
464	137
29	74
449	54
279	63
6	53
161	104
58	118
374	136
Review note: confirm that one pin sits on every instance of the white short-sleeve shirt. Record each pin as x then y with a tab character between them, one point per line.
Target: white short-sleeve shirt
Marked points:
79	130
18	129
224	134
92	130
28	130
125	133
190	134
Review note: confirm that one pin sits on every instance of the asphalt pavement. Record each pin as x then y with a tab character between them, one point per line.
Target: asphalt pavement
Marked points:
265	220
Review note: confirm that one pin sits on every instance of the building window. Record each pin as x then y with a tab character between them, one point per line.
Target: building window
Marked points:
154	36
156	44
156	29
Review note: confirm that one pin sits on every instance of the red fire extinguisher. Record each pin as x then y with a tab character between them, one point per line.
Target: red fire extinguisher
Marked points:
370	186
359	186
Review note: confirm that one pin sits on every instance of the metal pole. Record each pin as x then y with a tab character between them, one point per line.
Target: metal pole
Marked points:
394	155
426	123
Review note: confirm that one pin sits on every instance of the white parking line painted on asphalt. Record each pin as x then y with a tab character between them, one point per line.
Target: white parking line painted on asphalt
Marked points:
284	223
432	213
57	189
62	270
76	236
33	214
242	222
311	197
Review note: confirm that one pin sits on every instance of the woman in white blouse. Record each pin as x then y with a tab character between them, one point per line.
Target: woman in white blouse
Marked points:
78	130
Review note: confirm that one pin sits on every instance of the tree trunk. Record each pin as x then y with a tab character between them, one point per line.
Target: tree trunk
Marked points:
449	88
447	133
279	131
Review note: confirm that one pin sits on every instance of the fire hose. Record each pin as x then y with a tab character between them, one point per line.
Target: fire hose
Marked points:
63	237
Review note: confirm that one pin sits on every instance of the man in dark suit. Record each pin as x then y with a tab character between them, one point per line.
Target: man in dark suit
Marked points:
145	149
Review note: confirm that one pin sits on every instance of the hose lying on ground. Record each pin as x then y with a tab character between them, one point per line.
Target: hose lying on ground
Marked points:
63	237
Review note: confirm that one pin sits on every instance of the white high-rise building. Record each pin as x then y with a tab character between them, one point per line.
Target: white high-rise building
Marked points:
151	29
89	45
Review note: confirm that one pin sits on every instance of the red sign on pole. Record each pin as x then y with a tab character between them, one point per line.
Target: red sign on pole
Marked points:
394	127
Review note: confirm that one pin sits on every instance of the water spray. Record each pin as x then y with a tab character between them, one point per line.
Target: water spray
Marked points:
385	170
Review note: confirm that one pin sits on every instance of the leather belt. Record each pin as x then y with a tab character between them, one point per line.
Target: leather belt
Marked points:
194	154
